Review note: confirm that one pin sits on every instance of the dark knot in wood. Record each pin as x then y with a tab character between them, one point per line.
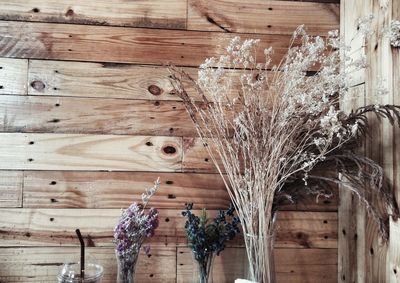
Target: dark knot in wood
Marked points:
38	85
69	13
154	90
169	149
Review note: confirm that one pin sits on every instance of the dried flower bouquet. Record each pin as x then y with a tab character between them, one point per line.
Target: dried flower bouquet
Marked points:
133	228
271	136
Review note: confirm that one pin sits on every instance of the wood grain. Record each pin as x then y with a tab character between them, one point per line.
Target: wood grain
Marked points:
89	152
13	76
75	115
259	16
43	264
54	189
61	78
142	13
122	45
74	189
49	227
11	183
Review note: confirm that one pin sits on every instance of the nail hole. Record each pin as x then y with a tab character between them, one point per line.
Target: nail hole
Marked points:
27	234
51	219
269	26
56	71
1	87
31	142
270	9
171	129
325	221
355	236
181	264
54	121
54	88
1	68
157	103
344	232
69	49
149	143
169	182
35	10
152	118
151	275
169	149
206	159
182	57
325	237
149	255
53	182
30	159
166	219
395	271
57	104
171	196
53	200
70	35
371	251
174	107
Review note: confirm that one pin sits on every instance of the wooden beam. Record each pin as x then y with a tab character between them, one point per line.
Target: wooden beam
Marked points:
33	114
89	152
49	227
122	45
13	76
260	16
139	13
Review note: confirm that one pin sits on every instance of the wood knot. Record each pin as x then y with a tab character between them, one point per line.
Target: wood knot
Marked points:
169	149
154	90
69	13
38	85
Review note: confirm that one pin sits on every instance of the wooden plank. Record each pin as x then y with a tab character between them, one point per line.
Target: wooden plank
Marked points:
89	152
142	13
75	115
292	265
13	76
260	16
11	188
61	78
123	45
393	266
196	157
42	264
57	227
306	265
55	189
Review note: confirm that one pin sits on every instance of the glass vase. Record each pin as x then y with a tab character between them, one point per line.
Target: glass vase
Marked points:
126	268
204	269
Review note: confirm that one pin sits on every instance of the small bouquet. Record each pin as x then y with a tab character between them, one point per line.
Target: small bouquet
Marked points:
130	233
207	236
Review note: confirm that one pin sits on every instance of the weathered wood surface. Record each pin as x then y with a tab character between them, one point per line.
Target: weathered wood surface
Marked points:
259	16
56	189
121	45
142	13
108	80
43	264
11	183
52	189
89	152
13	76
75	115
57	227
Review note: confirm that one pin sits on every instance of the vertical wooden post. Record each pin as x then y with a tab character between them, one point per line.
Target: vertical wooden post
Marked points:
367	259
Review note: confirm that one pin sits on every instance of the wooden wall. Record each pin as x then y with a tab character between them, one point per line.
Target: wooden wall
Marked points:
88	120
364	257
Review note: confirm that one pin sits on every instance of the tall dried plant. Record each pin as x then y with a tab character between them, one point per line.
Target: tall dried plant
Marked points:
271	129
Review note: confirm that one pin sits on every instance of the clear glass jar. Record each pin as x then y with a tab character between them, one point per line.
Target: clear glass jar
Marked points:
71	273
